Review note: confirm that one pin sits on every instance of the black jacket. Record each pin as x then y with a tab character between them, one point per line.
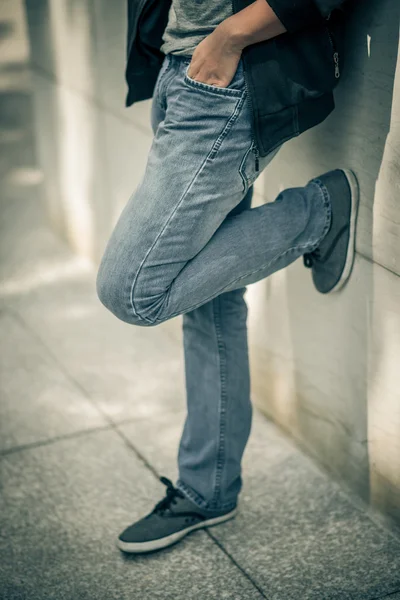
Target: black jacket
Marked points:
289	78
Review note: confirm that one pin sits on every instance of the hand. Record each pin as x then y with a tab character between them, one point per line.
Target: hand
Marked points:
216	58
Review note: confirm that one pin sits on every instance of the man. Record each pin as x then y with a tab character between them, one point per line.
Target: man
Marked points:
231	82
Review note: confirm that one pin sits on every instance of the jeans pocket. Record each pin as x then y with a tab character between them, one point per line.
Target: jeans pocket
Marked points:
235	88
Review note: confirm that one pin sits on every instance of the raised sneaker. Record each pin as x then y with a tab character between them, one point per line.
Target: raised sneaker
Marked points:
332	261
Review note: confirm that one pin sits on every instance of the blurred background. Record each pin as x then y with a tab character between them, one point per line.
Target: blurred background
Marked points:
82	395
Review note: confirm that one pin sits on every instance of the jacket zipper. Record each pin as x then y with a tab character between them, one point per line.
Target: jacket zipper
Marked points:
254	147
256	154
335	52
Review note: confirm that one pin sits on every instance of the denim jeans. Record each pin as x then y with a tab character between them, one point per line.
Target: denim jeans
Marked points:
188	243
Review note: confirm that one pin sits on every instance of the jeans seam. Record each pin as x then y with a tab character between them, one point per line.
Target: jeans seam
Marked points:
242	172
228	126
160	91
191	494
160	234
309	246
210	155
167	84
327	206
220	462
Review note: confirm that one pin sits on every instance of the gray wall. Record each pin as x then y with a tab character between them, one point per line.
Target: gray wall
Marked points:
327	369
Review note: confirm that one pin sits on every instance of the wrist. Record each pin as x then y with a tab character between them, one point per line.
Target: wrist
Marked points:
255	23
233	34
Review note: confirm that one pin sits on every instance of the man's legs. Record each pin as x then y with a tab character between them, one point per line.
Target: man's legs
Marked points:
188	243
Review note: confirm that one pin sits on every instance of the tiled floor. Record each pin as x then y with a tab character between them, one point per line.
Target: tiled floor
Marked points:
91	412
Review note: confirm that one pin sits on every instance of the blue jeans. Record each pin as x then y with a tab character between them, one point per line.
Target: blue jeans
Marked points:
188	242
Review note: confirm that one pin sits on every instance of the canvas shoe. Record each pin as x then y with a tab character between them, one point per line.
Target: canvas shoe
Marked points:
171	520
332	261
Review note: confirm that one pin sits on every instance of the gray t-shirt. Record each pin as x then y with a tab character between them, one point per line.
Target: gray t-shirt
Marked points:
190	21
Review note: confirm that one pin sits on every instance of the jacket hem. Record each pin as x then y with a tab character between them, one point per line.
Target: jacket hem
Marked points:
145	91
273	129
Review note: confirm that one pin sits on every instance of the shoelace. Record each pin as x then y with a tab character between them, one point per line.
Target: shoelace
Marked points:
172	494
310	257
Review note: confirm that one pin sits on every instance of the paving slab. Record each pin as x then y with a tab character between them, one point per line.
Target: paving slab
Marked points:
62	506
130	372
297	534
162	431
38	402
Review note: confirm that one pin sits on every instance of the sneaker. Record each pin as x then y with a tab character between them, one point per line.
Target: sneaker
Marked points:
332	261
171	520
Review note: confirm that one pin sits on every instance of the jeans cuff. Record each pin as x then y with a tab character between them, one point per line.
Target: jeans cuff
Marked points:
326	201
199	500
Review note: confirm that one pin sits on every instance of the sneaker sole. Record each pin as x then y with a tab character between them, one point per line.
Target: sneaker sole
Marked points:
351	250
140	547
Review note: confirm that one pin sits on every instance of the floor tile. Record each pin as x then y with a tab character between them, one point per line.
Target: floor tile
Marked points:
38	402
63	505
158	440
297	534
130	372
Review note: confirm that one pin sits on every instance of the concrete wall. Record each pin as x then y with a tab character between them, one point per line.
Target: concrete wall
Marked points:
327	369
